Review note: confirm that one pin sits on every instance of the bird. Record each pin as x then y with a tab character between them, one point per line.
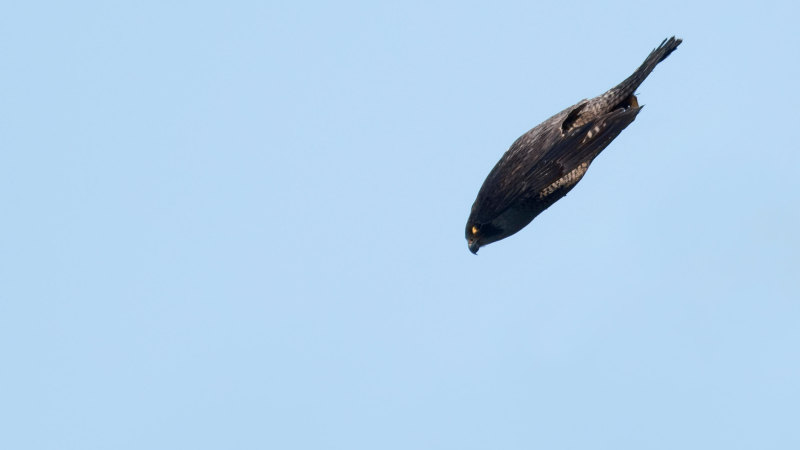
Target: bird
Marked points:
545	163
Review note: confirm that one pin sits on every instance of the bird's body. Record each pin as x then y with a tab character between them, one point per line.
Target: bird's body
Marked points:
545	163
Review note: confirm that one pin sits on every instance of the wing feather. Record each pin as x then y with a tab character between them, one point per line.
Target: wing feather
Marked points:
531	164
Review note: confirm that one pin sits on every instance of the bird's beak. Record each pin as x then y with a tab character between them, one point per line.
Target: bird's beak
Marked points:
473	246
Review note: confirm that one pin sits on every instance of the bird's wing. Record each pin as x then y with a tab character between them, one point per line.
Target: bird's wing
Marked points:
515	179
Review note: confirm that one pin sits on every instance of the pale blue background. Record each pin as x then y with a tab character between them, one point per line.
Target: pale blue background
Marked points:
240	225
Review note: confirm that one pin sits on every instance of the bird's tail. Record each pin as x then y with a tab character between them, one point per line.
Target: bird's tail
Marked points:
660	53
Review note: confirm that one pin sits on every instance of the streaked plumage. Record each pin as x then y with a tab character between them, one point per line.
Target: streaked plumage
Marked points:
549	160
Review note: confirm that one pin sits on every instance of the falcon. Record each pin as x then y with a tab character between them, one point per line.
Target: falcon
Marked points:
545	163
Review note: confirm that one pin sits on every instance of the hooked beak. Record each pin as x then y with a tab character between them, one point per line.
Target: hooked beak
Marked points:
473	246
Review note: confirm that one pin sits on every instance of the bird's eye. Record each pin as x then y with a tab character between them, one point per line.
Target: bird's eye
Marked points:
474	229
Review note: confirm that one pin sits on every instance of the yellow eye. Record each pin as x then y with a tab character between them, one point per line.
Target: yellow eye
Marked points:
474	229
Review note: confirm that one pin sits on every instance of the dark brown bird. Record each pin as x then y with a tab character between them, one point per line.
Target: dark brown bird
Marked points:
549	160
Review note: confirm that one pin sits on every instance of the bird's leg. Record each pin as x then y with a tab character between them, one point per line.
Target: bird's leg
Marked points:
629	102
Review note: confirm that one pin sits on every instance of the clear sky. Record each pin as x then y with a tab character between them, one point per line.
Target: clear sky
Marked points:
241	225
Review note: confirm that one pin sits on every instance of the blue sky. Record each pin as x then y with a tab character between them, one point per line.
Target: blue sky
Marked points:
241	225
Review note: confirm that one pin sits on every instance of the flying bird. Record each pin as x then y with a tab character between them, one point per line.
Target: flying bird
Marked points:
545	163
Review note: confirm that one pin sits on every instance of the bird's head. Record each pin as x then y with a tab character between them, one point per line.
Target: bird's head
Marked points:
473	238
479	235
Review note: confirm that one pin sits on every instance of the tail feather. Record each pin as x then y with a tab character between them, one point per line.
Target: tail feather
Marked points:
622	95
660	53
